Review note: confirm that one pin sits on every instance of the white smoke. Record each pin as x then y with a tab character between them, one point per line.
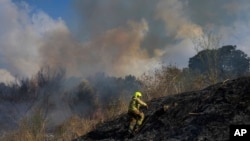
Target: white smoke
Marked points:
21	35
30	39
6	77
117	52
178	26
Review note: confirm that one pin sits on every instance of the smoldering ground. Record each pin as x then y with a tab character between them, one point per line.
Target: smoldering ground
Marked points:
115	37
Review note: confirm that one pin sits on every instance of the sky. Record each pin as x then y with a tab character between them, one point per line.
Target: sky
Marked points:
113	36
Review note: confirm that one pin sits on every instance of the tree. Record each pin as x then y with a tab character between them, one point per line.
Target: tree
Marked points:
233	62
229	62
205	45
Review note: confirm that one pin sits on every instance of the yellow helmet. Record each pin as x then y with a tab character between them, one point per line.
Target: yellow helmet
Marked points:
137	94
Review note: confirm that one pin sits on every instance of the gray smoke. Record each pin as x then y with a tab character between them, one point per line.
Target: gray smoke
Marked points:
114	36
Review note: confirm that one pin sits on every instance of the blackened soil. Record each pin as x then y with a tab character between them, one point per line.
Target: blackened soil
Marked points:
203	115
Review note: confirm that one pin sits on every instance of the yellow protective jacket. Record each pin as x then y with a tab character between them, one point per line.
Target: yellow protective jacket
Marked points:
135	104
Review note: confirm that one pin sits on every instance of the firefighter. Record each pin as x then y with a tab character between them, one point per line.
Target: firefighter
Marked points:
136	117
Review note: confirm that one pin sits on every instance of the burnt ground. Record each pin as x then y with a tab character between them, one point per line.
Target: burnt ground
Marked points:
203	115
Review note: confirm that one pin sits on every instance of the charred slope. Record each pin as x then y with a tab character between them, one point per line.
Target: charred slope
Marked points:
199	115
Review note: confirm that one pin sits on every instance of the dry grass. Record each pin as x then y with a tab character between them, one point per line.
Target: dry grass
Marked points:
34	128
163	81
30	129
115	108
76	126
167	80
73	128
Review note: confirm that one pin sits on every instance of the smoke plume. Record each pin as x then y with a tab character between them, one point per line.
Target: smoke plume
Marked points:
115	37
117	51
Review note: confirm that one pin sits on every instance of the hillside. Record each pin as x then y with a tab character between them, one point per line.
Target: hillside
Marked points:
198	115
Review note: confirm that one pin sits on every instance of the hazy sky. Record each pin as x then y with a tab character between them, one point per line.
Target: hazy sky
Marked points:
118	37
